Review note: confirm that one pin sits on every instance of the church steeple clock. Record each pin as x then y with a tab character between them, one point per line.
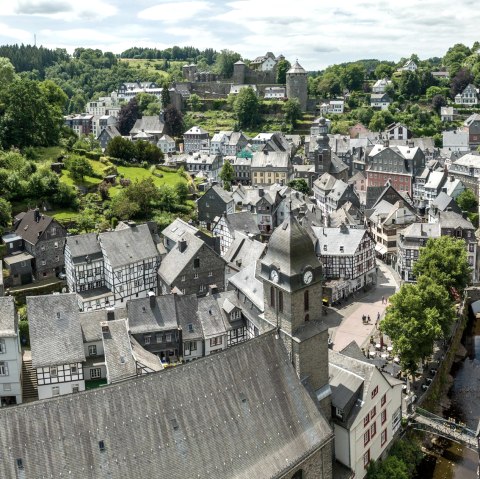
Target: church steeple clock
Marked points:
292	288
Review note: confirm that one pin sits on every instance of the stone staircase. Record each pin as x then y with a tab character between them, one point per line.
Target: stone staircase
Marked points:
29	379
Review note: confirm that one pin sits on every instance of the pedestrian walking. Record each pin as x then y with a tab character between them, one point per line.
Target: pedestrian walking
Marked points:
368	318
378	316
383	299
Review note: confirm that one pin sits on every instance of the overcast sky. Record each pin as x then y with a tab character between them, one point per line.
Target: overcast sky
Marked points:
317	34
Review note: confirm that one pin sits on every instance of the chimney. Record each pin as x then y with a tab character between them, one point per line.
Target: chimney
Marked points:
151	296
182	245
36	215
451	178
344	229
261	192
110	315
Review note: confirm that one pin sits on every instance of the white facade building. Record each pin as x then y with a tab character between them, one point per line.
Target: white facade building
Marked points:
10	354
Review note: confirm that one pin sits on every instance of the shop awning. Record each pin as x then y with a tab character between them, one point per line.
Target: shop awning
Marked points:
380	248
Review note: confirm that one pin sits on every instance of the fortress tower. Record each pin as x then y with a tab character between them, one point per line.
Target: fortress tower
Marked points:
297	84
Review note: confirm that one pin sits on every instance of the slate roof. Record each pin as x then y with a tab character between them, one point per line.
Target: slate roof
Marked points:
290	248
272	159
144	357
244	251
296	68
128	246
326	182
451	219
55	333
333	238
187	306
246	281
90	322
84	245
175	260
242	221
149	124
211	317
178	228
155	313
196	130
260	425
31	230
118	351
443	201
344	385
8	319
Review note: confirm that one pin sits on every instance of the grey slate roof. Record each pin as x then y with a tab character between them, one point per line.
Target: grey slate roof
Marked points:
225	196
275	159
84	245
334	238
55	333
290	248
242	221
8	322
187	306
443	201
118	351
344	385
31	230
175	260
450	219
150	124
246	281
211	317
260	423
244	251
177	228
90	322
144	357
155	313
127	246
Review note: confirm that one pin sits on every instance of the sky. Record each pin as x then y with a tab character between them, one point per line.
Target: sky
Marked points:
317	32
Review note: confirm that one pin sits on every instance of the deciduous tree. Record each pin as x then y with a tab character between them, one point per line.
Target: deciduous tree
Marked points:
246	108
227	174
445	260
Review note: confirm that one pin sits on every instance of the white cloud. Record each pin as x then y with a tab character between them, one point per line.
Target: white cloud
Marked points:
62	10
15	33
172	12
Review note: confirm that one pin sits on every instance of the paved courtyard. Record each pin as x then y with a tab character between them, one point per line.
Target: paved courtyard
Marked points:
351	327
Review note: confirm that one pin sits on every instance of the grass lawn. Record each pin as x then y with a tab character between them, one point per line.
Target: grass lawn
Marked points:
149	65
87	182
63	215
135	173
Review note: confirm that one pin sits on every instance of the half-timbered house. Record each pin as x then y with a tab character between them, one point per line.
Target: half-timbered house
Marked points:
56	341
347	254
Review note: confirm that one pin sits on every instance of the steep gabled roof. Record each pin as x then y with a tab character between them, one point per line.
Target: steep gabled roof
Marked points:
30	229
55	333
241	413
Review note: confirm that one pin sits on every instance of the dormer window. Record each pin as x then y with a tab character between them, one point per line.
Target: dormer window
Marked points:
342	250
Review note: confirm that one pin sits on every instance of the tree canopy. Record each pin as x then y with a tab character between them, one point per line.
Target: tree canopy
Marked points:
227	174
444	259
246	107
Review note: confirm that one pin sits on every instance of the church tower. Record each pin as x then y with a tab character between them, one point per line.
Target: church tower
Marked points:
292	289
323	151
297	84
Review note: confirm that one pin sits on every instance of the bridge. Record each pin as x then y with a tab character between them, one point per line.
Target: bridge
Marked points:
426	421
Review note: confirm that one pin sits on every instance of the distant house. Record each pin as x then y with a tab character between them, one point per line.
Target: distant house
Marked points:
271	167
56	341
235	89
472	125
153	126
410	66
380	101
381	85
196	139
447	113
397	131
107	135
192	267
455	140
215	202
166	144
275	92
265	62
333	106
469	96
43	243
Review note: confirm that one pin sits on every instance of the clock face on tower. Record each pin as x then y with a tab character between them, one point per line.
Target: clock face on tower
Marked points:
274	275
307	277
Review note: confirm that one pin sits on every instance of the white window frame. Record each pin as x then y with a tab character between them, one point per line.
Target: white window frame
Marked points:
55	390
3	347
92	350
53	371
95	373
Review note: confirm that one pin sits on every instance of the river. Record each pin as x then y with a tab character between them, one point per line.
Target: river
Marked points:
455	461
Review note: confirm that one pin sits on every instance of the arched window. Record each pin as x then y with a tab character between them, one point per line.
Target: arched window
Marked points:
272	296
306	302
280	301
